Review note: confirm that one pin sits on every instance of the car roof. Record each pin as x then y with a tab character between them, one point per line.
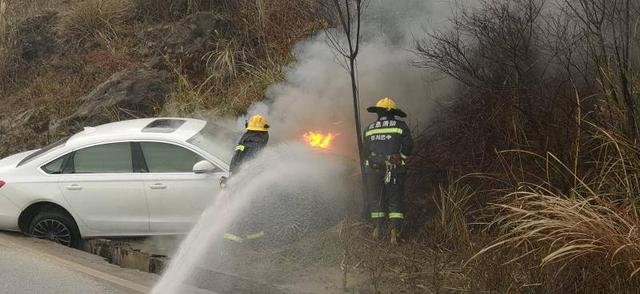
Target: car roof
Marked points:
180	129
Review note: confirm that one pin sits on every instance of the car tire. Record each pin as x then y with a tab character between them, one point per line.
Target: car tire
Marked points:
55	226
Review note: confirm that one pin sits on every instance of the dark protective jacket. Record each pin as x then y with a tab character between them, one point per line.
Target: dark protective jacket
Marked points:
251	143
387	136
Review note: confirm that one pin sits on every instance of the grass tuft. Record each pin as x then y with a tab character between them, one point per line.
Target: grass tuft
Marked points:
580	238
452	203
96	20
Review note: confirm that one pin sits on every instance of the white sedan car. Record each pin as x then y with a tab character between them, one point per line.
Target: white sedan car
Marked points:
131	178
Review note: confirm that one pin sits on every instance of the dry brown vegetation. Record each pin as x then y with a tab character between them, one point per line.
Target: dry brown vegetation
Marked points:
53	52
239	69
546	130
96	20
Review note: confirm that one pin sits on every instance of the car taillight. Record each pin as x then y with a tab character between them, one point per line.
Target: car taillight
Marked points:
2	184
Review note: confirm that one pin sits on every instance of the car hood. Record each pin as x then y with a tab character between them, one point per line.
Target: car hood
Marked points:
13	160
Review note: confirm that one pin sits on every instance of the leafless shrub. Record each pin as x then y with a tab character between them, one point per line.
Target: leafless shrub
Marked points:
607	34
547	112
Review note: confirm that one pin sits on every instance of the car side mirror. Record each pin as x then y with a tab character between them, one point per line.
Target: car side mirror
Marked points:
203	167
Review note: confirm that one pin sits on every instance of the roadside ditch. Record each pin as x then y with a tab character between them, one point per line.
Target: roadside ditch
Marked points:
152	255
124	254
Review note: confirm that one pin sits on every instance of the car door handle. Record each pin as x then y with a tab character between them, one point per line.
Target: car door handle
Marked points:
74	187
158	186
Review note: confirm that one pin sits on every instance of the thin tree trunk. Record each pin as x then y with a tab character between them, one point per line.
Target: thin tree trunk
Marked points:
356	106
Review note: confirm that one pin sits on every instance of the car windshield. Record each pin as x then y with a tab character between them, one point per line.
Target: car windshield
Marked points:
43	150
216	140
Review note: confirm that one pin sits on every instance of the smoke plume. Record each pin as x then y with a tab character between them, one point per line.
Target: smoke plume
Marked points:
316	94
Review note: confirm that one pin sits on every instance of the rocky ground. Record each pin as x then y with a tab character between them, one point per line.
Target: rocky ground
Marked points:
68	64
138	88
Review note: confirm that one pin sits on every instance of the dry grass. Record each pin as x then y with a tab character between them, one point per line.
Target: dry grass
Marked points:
272	27
230	89
4	21
238	70
49	97
452	203
225	61
171	10
7	44
582	239
580	244
96	20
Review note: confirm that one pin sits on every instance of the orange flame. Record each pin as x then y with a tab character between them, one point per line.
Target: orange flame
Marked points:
319	139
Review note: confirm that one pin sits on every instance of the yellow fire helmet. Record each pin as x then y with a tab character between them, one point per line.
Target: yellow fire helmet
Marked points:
387	104
257	123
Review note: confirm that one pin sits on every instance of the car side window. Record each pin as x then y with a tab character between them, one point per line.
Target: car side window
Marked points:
107	158
55	167
168	158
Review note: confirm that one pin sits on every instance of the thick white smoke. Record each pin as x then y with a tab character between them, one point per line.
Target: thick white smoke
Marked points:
316	94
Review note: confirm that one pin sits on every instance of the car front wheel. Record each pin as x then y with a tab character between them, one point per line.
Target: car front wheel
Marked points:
56	227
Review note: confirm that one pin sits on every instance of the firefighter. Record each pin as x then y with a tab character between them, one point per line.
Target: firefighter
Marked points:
251	143
387	144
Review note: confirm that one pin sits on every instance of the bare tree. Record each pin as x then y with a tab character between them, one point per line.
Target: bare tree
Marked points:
346	16
608	28
345	40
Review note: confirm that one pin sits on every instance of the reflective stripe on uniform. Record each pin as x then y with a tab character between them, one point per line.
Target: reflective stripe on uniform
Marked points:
232	237
255	236
383	131
240	148
396	215
377	214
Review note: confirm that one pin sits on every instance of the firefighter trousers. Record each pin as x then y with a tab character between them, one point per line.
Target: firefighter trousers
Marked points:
385	199
249	225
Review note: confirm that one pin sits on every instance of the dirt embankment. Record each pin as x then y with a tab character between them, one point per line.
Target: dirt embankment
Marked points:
68	64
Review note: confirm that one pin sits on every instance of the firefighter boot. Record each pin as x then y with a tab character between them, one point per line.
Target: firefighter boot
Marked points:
377	230
395	233
395	236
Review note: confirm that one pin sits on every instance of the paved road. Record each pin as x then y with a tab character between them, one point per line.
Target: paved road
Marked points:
21	272
35	266
30	265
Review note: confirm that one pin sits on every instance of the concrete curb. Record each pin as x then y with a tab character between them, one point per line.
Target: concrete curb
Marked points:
124	255
121	253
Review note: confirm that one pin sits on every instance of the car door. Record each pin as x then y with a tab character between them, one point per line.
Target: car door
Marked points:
101	186
176	195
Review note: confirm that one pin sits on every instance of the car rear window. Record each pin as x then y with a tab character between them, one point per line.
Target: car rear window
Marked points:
42	151
106	158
